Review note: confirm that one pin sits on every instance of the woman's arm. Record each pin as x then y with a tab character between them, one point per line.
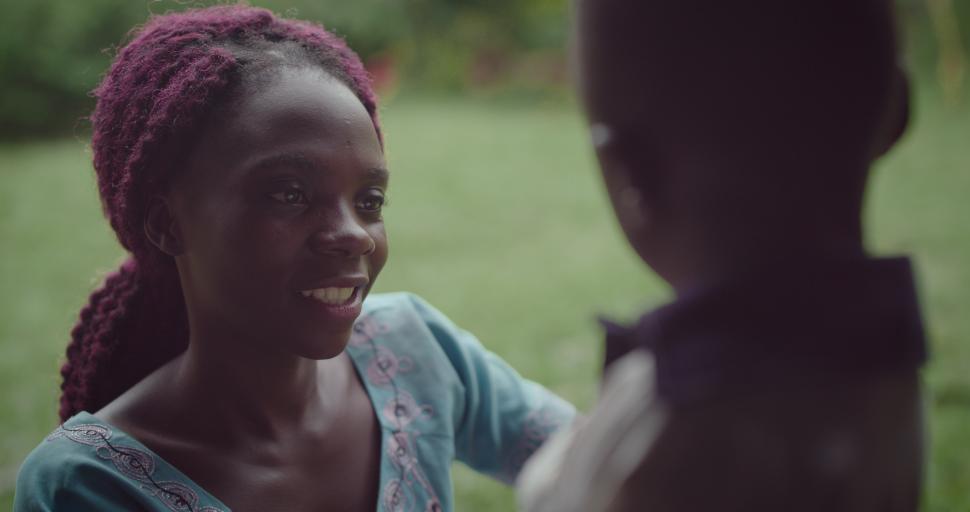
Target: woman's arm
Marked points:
504	418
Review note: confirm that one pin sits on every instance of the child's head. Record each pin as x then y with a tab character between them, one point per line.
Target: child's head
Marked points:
743	126
239	160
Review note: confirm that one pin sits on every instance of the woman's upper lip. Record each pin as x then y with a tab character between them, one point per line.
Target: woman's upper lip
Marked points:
343	281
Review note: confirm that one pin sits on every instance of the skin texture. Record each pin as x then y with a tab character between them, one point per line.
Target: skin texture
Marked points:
284	194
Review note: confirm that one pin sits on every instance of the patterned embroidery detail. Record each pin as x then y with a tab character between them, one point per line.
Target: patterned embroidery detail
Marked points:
401	452
366	328
385	365
536	428
400	411
131	462
393	497
403	410
136	464
175	495
90	434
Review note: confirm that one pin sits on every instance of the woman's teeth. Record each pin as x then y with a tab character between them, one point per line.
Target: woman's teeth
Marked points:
334	296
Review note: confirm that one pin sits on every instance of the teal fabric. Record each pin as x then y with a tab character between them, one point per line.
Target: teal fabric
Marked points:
438	393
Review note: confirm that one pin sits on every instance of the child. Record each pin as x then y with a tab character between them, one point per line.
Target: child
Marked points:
735	139
233	361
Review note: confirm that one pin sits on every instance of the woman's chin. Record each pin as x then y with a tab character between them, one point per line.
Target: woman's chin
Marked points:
323	347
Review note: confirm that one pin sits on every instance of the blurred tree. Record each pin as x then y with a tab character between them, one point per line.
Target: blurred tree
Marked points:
52	51
951	63
51	55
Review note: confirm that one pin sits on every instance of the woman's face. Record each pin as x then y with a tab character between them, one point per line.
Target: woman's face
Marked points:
278	214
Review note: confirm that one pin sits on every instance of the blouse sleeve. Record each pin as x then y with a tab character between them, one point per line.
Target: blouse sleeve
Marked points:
55	480
504	418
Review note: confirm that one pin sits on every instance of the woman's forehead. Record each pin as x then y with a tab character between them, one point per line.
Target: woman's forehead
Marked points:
300	111
297	101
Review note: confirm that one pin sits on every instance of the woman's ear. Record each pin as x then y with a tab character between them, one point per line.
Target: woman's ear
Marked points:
161	227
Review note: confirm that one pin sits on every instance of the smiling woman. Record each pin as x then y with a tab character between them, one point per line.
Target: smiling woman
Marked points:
237	358
280	205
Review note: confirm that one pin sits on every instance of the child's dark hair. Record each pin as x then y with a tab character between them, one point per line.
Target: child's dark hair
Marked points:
150	108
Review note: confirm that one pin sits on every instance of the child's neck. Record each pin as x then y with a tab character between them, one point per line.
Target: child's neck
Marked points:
708	261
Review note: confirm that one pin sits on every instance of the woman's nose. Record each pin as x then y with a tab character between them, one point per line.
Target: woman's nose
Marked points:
341	234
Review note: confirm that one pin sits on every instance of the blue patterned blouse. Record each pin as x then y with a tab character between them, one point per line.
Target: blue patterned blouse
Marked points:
439	396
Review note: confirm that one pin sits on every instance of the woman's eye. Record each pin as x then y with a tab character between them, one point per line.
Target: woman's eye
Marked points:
373	201
290	195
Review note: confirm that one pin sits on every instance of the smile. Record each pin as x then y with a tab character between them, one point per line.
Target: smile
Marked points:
333	296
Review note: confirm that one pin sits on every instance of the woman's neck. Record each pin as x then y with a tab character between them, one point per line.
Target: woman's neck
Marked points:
258	394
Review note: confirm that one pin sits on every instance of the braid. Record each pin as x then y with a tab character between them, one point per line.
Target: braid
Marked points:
107	310
151	106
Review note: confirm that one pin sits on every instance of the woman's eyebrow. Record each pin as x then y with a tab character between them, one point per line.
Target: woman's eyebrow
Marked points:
378	174
292	160
302	162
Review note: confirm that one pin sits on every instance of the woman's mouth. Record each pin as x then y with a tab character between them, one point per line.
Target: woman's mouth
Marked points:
332	296
339	298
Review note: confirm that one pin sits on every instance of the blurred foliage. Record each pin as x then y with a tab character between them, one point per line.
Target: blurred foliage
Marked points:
937	40
52	52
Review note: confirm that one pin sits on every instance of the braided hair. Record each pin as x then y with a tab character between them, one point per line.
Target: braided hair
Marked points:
151	104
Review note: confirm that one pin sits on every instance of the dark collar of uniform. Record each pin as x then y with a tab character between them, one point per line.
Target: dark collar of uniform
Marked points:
849	316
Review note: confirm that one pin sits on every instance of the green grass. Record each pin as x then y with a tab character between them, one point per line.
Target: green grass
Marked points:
918	205
497	218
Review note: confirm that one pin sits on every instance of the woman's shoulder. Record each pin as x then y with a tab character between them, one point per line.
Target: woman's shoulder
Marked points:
402	317
401	302
87	464
66	466
406	323
68	446
402	325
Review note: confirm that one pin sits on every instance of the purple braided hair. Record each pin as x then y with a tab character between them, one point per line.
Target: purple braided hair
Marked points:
150	108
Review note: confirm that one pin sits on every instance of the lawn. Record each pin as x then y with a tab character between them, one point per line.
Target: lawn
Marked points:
496	216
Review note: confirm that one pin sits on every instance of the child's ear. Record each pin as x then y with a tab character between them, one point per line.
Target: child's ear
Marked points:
161	227
898	119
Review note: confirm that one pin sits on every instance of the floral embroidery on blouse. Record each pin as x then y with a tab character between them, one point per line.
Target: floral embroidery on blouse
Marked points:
366	328
401	410
133	463
385	365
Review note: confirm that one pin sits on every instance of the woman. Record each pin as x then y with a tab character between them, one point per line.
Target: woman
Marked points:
233	361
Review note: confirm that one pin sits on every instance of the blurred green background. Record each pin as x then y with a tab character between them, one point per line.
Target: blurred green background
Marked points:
496	213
